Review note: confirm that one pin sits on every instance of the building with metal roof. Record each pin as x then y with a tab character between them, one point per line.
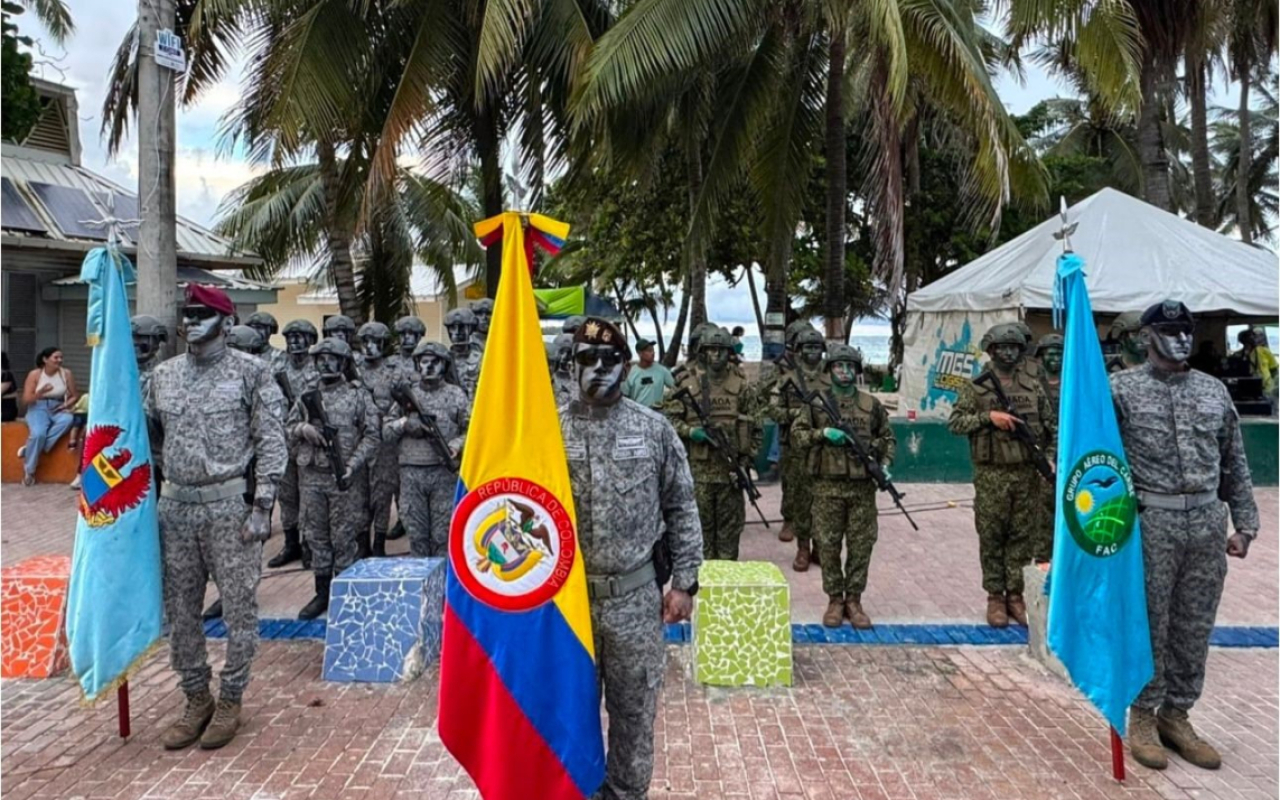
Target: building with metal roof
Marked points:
51	217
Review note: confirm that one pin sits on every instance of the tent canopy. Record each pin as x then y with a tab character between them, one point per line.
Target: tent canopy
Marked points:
1135	254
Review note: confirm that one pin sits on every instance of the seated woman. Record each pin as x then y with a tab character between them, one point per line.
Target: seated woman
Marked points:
49	393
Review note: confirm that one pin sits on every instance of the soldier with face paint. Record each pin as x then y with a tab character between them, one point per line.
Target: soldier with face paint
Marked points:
300	375
149	336
1007	510
213	413
266	326
1133	348
1182	438
427	481
804	370
483	309
461	324
842	493
562	379
343	328
246	340
730	403
379	377
631	488
409	331
1050	349
333	519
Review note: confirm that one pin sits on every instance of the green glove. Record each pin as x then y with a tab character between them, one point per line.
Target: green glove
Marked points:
888	476
834	435
699	435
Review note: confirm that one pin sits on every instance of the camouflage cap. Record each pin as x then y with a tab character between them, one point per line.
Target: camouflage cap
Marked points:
1128	322
599	331
301	326
147	325
263	319
374	330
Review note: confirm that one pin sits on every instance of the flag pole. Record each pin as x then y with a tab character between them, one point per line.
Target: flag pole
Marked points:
1117	757
122	706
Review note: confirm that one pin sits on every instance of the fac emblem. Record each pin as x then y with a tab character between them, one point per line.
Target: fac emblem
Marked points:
1099	503
511	544
105	491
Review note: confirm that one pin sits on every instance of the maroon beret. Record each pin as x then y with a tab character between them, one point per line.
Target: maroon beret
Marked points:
216	299
596	331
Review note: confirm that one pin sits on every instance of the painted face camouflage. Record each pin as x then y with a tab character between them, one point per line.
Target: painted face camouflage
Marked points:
600	370
202	324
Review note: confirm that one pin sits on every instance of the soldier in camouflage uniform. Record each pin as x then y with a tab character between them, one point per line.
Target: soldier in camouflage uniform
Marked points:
244	339
1126	330
343	328
631	489
149	336
483	309
562	378
299	374
427	482
266	326
729	402
1007	513
460	323
1182	439
843	494
409	331
333	519
213	413
802	372
379	377
1031	356
1049	349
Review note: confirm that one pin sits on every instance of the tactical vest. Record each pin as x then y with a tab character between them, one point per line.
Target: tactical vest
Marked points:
838	461
990	445
721	401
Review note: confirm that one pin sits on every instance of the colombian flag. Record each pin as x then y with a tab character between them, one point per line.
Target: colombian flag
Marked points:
519	702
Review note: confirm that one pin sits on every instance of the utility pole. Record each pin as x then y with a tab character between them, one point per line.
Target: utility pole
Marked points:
157	246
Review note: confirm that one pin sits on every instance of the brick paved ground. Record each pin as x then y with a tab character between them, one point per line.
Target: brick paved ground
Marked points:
931	575
869	723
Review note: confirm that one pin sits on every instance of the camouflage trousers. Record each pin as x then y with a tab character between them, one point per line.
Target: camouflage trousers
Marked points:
426	504
1042	539
199	541
1007	510
287	493
1184	555
384	485
630	660
332	520
797	493
844	516
722	509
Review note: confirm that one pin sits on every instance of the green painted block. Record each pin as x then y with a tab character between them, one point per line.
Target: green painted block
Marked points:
742	625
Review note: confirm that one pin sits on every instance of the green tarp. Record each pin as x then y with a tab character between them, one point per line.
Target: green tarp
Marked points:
561	302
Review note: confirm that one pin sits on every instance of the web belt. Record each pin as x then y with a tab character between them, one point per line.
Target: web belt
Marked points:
605	586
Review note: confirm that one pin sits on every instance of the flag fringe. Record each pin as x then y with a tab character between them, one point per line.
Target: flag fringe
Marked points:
121	679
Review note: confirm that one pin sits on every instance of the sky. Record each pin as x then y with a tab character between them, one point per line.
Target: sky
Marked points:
205	176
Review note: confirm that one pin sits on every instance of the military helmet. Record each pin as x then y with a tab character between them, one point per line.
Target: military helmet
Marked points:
339	322
839	351
433	348
301	326
464	316
332	346
809	336
483	304
244	339
147	325
1128	322
793	330
411	325
1025	330
375	330
572	324
1004	333
562	347
715	336
263	319
1050	340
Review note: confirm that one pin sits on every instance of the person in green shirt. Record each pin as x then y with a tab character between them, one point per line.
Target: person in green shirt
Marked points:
648	380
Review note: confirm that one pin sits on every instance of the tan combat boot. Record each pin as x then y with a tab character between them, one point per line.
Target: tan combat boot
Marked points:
1017	609
1177	734
834	615
853	609
1144	746
801	564
187	730
226	721
788	532
997	615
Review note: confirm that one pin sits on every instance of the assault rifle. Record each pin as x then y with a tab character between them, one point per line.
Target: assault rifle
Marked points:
1021	430
286	389
316	414
409	403
720	445
860	451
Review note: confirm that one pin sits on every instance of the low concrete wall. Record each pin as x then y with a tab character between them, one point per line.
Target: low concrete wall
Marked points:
1033	579
56	466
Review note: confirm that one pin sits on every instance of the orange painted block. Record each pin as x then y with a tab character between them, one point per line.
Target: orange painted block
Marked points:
56	466
33	608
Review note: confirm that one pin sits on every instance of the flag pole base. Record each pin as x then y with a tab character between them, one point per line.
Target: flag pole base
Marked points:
122	706
1117	757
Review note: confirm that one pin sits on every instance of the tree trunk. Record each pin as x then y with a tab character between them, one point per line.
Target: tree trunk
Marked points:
755	301
490	150
339	233
673	351
775	290
1245	163
697	257
889	195
1151	150
652	307
618	292
1201	170
833	305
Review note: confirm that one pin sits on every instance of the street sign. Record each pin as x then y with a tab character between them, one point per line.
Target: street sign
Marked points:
169	52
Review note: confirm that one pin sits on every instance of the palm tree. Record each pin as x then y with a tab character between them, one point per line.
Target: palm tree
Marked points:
1080	127
1226	137
1250	43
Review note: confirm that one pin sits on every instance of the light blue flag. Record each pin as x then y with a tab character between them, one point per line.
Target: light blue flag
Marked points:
1098	603
113	601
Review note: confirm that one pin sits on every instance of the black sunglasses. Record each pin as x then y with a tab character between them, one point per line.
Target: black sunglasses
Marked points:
608	356
198	312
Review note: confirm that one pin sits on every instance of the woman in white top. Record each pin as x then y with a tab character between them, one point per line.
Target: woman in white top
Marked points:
49	393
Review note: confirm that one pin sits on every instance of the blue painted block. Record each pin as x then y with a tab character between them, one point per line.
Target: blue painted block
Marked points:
385	620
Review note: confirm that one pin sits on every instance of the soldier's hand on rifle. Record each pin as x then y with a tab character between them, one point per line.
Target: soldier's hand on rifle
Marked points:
834	435
888	476
311	434
676	606
1003	421
257	528
699	435
348	475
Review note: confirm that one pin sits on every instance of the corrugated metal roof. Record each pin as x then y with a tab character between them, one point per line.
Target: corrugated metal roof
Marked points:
193	240
223	280
424	284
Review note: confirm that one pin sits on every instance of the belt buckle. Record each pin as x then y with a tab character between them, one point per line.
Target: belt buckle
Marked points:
614	586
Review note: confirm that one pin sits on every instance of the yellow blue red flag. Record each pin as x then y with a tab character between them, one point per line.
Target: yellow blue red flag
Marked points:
113	600
519	702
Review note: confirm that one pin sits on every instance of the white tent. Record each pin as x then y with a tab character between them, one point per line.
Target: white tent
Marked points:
1135	254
